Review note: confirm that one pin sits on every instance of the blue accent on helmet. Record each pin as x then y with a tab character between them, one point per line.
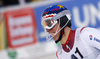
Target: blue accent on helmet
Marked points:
54	9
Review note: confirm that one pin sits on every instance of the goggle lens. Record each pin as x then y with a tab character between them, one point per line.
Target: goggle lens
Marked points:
48	23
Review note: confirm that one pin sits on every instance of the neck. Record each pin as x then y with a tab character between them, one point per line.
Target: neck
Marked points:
65	36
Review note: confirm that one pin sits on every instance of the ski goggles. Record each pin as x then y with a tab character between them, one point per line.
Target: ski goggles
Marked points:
50	22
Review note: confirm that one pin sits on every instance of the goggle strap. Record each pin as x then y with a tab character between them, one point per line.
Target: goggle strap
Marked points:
61	14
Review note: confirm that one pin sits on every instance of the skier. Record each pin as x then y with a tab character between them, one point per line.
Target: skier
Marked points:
81	43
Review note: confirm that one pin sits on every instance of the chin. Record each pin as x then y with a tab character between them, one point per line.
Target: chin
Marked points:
54	38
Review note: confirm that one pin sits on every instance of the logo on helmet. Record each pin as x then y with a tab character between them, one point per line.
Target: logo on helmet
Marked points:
60	6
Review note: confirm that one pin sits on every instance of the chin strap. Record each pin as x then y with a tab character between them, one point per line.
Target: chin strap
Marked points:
60	37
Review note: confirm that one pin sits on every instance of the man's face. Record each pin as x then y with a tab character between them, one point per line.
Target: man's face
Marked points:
54	30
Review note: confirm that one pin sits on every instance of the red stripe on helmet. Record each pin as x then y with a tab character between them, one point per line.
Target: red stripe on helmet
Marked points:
44	13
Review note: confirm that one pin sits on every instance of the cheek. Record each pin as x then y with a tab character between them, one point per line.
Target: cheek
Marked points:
56	36
56	28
